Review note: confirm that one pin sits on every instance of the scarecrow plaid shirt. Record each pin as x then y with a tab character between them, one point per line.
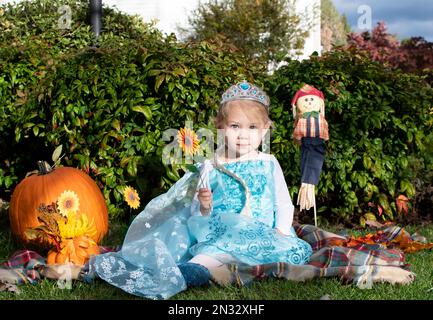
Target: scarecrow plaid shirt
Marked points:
311	127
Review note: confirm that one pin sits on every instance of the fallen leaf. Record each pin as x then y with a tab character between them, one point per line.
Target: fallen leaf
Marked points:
405	242
380	210
374	224
401	203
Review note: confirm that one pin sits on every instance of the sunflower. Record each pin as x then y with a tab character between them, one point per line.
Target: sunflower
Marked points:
131	197
68	202
188	141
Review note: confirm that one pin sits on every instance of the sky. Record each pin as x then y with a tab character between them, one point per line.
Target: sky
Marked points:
404	18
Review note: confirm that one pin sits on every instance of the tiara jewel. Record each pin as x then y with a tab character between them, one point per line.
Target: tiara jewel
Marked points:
246	91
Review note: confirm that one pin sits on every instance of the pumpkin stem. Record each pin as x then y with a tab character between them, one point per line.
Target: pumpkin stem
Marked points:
44	168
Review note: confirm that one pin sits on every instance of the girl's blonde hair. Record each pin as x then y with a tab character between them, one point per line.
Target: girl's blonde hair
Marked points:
256	109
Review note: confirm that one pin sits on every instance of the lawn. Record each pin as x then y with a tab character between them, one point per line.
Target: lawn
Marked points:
271	289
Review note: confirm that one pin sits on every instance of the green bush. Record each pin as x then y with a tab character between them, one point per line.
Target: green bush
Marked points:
379	122
31	44
109	106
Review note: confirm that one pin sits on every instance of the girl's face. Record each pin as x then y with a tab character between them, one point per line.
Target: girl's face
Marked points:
244	129
309	103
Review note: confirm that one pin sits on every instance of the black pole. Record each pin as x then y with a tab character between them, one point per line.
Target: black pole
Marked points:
96	16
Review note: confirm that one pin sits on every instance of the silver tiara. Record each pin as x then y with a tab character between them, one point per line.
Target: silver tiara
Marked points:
245	91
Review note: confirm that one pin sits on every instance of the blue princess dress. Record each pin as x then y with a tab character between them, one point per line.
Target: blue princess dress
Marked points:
250	200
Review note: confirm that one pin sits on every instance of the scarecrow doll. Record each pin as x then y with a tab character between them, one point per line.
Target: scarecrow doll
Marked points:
311	132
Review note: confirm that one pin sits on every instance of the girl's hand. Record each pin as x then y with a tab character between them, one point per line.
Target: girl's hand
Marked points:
205	198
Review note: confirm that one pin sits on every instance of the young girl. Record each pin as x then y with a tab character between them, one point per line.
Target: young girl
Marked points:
242	212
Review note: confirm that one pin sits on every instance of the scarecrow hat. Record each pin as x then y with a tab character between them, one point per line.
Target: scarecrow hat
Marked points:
308	90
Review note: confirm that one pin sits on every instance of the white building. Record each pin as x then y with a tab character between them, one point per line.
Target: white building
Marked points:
313	43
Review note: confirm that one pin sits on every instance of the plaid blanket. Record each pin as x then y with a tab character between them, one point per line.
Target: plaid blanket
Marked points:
22	267
25	266
363	264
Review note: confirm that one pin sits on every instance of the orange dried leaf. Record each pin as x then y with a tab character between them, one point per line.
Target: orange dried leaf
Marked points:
401	203
405	243
380	210
417	246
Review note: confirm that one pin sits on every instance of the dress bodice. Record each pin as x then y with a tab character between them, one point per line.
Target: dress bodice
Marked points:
229	195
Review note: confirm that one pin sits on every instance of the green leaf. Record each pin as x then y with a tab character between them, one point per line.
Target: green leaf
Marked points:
192	168
367	162
362	181
144	110
322	209
124	161
389	165
8	181
362	221
56	154
405	186
116	124
159	81
403	162
132	168
409	136
383	201
370	216
172	175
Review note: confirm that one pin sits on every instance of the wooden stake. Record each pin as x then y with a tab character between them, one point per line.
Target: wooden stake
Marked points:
315	214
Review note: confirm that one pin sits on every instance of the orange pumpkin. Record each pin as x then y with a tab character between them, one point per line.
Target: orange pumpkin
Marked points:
45	187
77	250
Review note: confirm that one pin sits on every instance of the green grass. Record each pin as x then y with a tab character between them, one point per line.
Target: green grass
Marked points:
270	289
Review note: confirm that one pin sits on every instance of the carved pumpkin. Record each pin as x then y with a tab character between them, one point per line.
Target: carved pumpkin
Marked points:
45	187
76	250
